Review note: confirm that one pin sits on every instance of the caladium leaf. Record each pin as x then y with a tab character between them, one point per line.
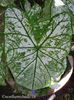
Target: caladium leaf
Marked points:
36	48
27	5
70	7
2	67
6	2
70	4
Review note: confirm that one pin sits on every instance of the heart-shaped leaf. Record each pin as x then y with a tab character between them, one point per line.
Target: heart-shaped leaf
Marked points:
36	48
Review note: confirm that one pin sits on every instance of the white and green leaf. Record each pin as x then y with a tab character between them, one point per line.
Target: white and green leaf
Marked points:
2	67
36	48
70	7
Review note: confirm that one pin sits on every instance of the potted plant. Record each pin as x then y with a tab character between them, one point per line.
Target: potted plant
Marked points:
35	41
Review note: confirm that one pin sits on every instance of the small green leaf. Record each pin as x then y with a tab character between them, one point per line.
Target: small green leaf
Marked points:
6	2
47	9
